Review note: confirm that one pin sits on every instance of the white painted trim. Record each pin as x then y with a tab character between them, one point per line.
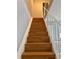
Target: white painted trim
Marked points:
22	45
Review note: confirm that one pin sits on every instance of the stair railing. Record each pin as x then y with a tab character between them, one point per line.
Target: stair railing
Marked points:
54	29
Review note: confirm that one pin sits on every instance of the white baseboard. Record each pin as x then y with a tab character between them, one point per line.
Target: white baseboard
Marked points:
22	45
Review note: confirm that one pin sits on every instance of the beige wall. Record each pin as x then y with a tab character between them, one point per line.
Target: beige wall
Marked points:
36	7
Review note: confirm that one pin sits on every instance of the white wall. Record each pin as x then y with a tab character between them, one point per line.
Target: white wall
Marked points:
55	9
23	18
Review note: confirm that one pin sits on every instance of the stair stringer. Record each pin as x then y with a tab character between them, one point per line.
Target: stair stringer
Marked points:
22	45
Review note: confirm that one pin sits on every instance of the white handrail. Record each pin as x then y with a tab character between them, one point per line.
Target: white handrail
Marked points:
51	16
54	32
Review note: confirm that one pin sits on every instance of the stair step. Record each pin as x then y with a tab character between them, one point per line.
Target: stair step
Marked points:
44	32
38	39
36	30
38	47
38	19
38	33
38	22
38	27
38	55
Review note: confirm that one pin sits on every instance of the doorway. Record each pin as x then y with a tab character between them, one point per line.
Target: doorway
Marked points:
45	6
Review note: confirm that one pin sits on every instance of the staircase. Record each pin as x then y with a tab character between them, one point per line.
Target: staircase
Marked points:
38	45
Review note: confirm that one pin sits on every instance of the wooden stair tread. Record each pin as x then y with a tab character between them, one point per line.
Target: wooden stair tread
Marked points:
40	36
38	39
38	43
38	47
38	53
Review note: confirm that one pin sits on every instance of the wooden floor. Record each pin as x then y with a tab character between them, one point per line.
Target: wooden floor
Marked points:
38	45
